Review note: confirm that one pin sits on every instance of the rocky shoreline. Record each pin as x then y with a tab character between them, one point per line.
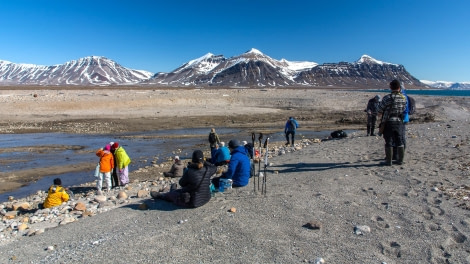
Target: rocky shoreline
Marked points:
26	217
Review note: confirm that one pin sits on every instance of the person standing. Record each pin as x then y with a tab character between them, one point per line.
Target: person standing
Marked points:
176	169
56	195
122	163
114	176
106	166
195	191
392	107
372	107
213	139
289	129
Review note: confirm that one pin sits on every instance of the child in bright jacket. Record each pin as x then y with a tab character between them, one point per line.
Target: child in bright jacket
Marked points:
122	163
56	195
106	166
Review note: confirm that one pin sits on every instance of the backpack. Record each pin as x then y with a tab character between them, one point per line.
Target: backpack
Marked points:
292	126
249	150
412	106
338	134
212	138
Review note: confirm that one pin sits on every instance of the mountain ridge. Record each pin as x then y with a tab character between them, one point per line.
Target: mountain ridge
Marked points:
252	68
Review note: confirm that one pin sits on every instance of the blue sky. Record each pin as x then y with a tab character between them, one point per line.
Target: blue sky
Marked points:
430	38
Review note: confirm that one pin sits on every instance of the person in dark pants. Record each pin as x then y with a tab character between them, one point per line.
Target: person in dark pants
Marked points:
371	110
289	129
392	107
195	190
114	176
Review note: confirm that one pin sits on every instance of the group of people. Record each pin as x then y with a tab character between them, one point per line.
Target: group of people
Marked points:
113	166
395	110
198	176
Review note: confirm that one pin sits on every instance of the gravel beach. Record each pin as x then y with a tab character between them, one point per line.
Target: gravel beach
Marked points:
326	201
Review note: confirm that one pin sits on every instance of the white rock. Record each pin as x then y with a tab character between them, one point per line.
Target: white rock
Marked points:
361	230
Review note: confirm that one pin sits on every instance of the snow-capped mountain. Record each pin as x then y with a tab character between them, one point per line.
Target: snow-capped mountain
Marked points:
447	85
93	70
366	72
253	68
250	69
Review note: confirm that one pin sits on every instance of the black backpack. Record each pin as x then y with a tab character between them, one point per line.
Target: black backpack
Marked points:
249	150
338	134
412	106
212	138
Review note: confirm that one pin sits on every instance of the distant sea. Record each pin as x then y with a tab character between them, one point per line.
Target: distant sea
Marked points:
430	92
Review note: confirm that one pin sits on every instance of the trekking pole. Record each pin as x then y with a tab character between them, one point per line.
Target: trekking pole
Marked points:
252	167
264	187
259	162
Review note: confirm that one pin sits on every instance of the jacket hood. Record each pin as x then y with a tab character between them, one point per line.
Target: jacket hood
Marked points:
240	149
55	188
99	153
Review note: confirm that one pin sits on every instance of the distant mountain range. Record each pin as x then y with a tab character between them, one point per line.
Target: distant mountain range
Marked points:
93	70
447	85
250	69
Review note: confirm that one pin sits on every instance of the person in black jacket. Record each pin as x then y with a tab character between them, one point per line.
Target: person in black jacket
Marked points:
195	184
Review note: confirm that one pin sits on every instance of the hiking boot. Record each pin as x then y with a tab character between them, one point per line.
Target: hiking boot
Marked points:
156	195
388	157
401	155
287	144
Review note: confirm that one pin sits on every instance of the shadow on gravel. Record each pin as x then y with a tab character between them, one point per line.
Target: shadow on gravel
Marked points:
301	167
82	190
159	205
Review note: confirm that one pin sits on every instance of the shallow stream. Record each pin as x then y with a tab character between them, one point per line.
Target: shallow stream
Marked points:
44	150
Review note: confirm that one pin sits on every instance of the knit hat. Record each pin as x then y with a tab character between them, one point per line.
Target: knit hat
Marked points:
107	147
111	143
115	145
233	143
222	144
198	156
177	158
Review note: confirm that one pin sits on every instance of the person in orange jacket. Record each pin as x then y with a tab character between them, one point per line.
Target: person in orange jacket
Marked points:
106	166
56	195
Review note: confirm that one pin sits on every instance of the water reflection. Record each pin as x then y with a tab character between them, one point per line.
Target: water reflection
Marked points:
142	147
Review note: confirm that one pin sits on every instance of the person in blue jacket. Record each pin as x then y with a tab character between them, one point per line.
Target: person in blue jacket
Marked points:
222	156
290	128
238	167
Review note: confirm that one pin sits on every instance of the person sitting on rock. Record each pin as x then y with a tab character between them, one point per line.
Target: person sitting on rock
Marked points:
238	168
222	156
56	194
176	169
195	191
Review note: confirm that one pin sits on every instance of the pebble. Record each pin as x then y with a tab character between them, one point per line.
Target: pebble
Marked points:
361	230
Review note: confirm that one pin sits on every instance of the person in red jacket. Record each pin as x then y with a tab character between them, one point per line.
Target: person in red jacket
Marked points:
106	166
